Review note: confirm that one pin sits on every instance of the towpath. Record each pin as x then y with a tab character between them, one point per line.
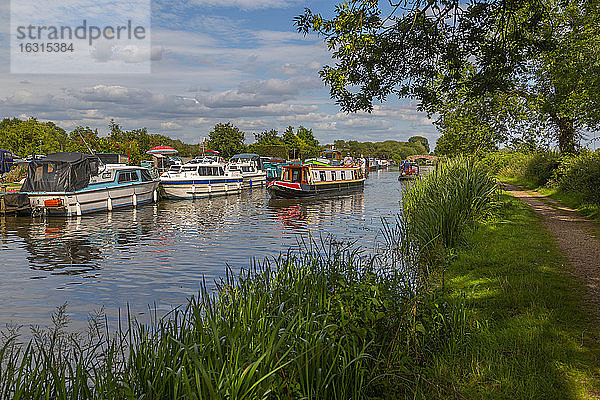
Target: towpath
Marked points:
575	236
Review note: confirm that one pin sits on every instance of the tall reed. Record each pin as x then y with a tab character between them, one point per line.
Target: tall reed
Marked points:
326	322
442	206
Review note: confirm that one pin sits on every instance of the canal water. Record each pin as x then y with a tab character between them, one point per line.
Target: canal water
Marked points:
158	254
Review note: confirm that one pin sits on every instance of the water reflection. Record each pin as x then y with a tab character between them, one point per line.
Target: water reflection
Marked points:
159	253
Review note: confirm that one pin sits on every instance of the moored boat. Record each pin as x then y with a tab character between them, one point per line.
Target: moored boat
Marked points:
200	178
250	167
312	179
77	183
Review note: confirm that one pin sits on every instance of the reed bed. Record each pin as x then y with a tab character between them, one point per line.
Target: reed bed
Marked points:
324	321
441	207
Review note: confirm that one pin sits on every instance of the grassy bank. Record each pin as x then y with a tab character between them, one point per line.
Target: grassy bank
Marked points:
323	322
467	299
530	333
572	180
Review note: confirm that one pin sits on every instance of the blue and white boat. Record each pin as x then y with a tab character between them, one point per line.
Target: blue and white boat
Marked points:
250	166
200	178
73	184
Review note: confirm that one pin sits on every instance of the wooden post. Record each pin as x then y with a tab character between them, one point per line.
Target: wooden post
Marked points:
2	203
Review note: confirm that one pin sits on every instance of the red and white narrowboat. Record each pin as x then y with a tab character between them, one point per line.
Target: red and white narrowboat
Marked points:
312	179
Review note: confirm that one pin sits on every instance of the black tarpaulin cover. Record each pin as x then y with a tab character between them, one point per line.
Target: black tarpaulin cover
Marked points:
16	201
60	172
6	160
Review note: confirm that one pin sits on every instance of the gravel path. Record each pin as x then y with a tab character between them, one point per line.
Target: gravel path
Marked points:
574	234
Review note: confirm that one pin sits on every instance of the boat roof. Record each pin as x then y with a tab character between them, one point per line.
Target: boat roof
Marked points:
246	156
68	157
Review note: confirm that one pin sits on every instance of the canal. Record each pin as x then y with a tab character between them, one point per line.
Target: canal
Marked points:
158	254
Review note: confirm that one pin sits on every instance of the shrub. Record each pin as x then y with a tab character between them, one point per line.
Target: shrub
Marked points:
541	167
581	175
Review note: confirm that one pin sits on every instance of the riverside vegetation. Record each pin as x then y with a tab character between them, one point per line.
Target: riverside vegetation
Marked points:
465	298
572	179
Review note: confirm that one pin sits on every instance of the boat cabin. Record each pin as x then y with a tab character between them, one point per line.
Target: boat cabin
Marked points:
196	169
315	175
334	157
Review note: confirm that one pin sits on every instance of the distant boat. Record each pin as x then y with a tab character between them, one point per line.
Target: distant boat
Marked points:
408	170
315	178
200	178
76	183
251	168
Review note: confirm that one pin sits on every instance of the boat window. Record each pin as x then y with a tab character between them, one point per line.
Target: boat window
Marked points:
315	175
333	175
221	171
246	169
323	176
146	177
127	176
296	175
174	168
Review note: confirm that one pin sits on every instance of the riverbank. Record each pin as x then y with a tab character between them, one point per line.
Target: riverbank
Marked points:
498	317
531	334
571	179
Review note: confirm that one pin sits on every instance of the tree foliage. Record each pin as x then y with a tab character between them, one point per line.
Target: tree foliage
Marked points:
26	137
302	143
546	53
388	149
227	139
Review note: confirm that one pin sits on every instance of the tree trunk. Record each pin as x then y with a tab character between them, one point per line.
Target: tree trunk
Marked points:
566	133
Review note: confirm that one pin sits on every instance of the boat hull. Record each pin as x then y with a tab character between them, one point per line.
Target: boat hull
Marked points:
254	181
200	189
87	201
287	190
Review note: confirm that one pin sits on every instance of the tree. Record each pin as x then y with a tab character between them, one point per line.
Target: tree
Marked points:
543	52
269	144
268	138
422	140
302	143
28	137
227	139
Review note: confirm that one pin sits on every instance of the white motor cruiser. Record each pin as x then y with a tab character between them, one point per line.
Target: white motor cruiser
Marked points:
77	183
200	178
251	168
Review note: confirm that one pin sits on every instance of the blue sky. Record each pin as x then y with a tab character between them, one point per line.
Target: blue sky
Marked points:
238	61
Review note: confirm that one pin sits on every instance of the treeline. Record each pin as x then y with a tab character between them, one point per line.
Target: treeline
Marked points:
27	137
388	149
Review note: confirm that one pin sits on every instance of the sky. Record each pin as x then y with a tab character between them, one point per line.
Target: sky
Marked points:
213	61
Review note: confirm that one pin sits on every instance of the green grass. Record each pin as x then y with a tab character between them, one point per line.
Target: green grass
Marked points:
530	333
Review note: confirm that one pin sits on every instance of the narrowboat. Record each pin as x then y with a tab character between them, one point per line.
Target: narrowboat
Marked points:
312	179
73	184
200	178
251	168
408	170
